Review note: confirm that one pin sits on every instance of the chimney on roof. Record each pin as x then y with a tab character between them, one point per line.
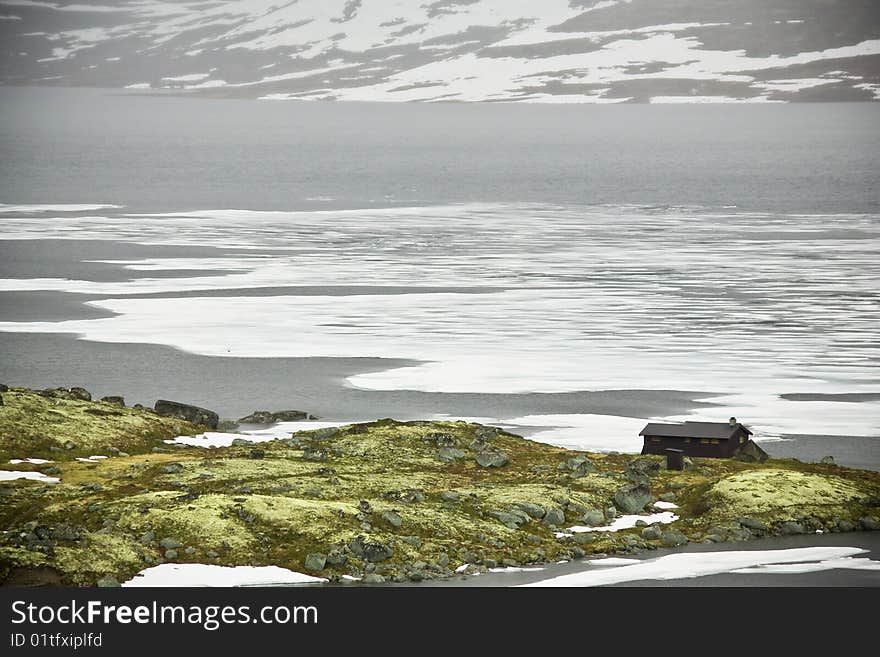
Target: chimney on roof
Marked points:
732	421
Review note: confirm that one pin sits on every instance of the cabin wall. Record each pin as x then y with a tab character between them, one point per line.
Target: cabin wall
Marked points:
693	447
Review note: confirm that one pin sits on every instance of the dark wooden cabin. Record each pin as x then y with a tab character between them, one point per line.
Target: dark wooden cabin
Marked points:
703	439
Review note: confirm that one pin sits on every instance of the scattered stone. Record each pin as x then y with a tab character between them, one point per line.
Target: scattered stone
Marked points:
443	560
532	510
315	561
827	460
413	496
269	417
845	526
673	538
325	433
668	497
450	454
554	516
172	468
189	551
116	400
790	528
69	445
169	543
652	533
241	442
450	496
641	523
337	558
584	538
257	454
869	524
147	538
4	387
393	518
492	459
211	554
170	554
373	578
315	454
593	518
512	520
632	498
753	524
578	466
108	582
227	426
194	414
611	513
377	552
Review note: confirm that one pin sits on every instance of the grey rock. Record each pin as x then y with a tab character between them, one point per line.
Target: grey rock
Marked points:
211	554
752	523
337	558
443	560
325	434
641	523
450	496
492	459
241	442
147	538
270	417
652	533
116	400
578	466
170	554
845	526
373	578
584	538
672	538
315	561
644	465
554	516
377	552
532	510
393	518
227	426
827	460
257	454
593	518
632	498
668	497
751	453
512	520
791	528
107	582
449	454
169	544
189	551
869	524
194	414
611	513
172	468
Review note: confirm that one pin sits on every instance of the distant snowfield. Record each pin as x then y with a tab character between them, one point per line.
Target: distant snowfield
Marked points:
412	50
699	564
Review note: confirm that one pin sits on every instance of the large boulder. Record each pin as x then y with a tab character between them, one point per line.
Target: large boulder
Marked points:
77	393
492	459
751	453
673	538
578	466
116	400
194	414
633	497
271	417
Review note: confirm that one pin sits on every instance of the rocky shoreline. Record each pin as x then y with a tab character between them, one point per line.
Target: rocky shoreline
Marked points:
111	494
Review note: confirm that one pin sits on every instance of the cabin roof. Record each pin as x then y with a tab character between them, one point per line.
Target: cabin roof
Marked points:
721	430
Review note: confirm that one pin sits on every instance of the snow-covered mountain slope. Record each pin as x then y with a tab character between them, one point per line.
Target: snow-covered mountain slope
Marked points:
454	50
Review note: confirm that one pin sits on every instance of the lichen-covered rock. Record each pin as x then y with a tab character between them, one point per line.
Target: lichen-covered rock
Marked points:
651	533
578	466
315	561
115	400
633	497
554	516
673	538
492	459
194	414
449	454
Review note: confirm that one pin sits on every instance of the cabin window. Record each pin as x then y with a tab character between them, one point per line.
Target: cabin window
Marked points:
714	441
704	441
687	440
655	440
742	439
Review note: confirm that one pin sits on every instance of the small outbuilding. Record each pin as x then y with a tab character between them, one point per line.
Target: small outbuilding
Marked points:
701	439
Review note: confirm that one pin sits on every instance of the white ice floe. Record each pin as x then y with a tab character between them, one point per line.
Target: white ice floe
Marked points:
274	432
699	564
90	459
513	569
612	561
197	575
627	522
10	475
660	504
35	461
848	563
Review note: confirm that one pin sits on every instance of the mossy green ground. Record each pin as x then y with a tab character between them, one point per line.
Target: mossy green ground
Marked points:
275	503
